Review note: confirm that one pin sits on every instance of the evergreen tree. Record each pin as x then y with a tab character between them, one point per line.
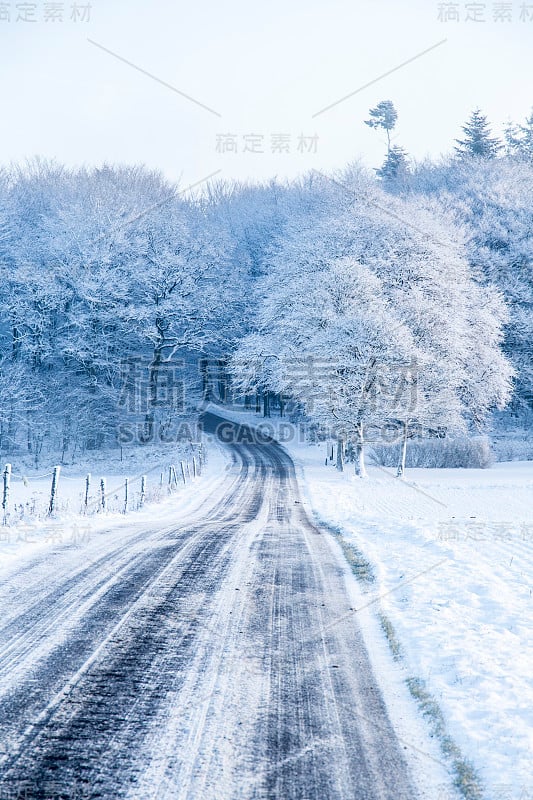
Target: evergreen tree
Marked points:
383	116
519	139
478	141
395	167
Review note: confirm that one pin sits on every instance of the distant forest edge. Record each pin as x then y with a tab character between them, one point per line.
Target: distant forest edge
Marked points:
401	300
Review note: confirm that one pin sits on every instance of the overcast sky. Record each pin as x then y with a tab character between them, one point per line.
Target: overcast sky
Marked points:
260	74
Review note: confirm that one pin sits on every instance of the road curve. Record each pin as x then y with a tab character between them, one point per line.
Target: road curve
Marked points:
210	659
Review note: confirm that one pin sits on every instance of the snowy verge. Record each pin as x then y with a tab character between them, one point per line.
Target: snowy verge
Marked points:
457	588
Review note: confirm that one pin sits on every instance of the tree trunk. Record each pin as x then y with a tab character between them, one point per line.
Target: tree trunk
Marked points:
340	455
153	384
266	404
360	467
29	442
204	369
16	342
223	381
403	452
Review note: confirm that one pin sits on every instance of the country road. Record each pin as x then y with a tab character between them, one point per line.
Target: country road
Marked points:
214	658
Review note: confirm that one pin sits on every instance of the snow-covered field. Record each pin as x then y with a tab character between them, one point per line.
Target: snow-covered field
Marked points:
30	528
452	551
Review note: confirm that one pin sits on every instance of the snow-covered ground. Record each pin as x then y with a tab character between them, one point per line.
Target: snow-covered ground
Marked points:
30	528
452	551
452	554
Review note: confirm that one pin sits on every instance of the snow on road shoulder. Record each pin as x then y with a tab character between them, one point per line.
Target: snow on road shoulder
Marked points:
452	551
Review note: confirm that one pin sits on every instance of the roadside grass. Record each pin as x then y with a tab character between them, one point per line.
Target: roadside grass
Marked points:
359	565
390	634
465	777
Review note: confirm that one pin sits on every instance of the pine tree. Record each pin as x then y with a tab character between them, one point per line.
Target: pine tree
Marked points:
519	139
395	167
478	141
384	116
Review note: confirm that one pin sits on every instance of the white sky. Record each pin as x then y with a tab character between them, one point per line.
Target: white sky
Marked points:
266	69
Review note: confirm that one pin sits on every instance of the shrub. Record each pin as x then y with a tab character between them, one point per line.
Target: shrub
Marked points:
447	453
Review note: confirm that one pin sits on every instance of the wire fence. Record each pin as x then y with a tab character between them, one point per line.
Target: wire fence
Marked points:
96	494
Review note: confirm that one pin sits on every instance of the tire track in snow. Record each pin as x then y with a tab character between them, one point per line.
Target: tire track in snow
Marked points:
206	668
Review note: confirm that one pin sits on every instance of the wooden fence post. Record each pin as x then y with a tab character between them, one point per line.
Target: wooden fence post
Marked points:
183	472
53	490
102	494
87	487
126	487
143	490
7	487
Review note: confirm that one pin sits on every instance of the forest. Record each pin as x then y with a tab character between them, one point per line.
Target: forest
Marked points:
378	305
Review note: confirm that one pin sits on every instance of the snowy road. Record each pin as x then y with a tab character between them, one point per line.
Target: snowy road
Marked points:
210	659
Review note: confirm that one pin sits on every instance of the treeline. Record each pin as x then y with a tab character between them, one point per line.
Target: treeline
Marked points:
486	185
372	317
101	269
372	305
116	291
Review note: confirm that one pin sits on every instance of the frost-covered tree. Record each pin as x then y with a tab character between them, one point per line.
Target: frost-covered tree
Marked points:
178	292
395	167
494	201
100	267
355	296
519	139
358	304
478	141
384	116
